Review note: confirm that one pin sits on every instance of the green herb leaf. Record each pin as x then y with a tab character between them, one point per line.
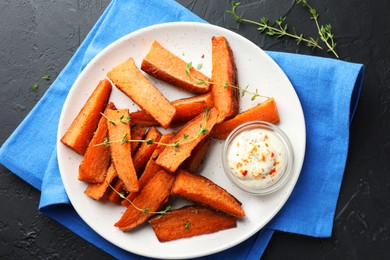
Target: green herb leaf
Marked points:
46	77
202	130
176	145
201	82
34	86
150	141
187	225
124	140
188	68
106	142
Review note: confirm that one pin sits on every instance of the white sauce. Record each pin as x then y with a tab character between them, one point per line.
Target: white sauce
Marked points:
257	158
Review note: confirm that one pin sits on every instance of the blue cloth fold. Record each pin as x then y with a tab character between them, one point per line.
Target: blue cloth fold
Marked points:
328	90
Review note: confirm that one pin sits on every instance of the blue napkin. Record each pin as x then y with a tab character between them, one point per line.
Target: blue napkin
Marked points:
328	90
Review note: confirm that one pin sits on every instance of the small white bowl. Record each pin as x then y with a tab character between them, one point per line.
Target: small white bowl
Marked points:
257	186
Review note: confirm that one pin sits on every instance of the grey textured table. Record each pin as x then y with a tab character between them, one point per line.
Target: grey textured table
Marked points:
39	37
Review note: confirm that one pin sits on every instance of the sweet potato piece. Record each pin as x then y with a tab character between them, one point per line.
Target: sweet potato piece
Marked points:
152	197
97	190
142	155
224	70
265	111
186	109
130	80
137	133
81	131
112	196
171	158
165	138
150	170
190	221
189	108
96	159
120	151
166	66
197	156
201	190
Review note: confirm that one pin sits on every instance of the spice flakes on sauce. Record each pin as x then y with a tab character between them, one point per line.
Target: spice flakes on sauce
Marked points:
257	158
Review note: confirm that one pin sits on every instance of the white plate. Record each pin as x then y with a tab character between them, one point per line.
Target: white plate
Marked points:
192	42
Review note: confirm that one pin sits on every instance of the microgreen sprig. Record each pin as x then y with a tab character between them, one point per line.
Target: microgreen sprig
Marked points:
245	90
143	210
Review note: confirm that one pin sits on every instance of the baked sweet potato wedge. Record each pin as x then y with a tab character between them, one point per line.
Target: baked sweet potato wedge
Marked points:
224	71
165	139
199	189
265	111
117	186
151	169
190	221
81	131
186	109
97	190
197	157
137	133
118	133
130	80
168	67
145	150
151	199
97	158
186	139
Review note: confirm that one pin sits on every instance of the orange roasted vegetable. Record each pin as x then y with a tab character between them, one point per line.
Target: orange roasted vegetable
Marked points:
224	71
97	158
150	199
116	185
199	189
150	170
186	109
137	133
145	150
265	111
130	80
186	140
97	190
164	65
197	156
190	221
81	131
118	133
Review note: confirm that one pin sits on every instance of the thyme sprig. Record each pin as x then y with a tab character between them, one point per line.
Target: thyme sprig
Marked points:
281	28
325	31
245	90
279	31
175	145
143	210
122	119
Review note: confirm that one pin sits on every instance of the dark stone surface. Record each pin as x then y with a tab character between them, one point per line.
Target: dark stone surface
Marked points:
39	37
